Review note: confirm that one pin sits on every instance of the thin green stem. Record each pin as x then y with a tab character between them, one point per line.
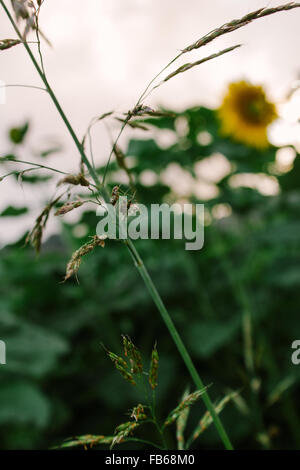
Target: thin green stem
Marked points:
53	97
24	86
143	441
156	422
161	433
178	341
15	160
153	402
144	94
37	12
138	261
113	148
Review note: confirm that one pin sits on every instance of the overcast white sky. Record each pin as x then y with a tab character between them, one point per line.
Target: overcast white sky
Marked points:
104	52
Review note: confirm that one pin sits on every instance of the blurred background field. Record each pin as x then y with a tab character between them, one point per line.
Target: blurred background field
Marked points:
58	382
122	45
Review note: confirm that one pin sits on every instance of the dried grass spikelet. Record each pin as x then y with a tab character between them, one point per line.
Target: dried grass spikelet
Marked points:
139	110
74	180
26	11
8	43
68	207
142	110
123	431
207	420
134	124
75	261
154	113
35	236
20	8
133	354
88	440
117	360
115	194
153	371
93	122
138	413
190	65
181	423
187	402
239	23
122	367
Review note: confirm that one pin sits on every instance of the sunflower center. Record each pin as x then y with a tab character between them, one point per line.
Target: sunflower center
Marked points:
254	109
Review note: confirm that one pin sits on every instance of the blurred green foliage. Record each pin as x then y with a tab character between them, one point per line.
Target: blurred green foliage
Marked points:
58	381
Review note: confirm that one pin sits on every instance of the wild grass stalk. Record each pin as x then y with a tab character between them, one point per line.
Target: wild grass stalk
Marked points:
239	23
135	255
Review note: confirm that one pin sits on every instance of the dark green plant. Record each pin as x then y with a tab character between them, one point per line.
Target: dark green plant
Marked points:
132	370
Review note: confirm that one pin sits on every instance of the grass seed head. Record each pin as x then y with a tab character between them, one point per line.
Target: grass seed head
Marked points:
239	23
35	236
8	43
186	403
68	207
74	180
181	423
133	355
123	431
138	413
190	65
207	420
25	10
87	440
117	360
75	261
122	367
115	194
153	371
134	124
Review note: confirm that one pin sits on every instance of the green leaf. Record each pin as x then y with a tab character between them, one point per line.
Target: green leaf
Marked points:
11	211
22	403
165	122
290	180
280	388
51	151
17	134
34	179
31	350
201	119
8	157
207	338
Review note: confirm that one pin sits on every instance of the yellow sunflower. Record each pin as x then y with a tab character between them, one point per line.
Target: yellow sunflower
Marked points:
246	113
